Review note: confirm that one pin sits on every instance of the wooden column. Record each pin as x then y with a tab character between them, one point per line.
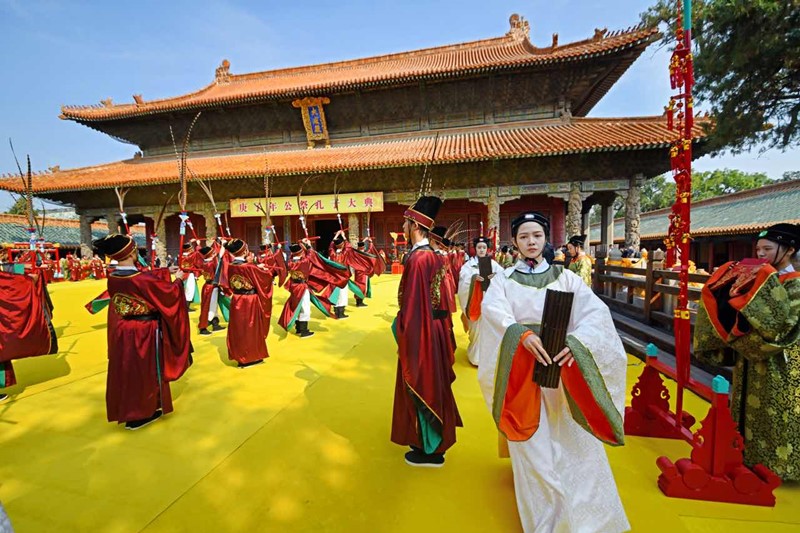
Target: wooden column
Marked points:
607	224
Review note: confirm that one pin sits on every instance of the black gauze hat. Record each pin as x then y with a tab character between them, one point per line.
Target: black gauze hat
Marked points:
424	211
235	246
295	248
437	233
485	240
786	234
115	246
530	216
338	240
577	240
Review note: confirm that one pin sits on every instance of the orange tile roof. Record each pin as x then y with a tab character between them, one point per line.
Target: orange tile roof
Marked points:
582	135
513	50
22	221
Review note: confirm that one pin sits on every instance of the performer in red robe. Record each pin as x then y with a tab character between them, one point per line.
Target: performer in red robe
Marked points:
358	263
251	307
190	262
272	257
98	270
297	309
309	274
447	284
425	414
209	295
148	336
74	265
26	328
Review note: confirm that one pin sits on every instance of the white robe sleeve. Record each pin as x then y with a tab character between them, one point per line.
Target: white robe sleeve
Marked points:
496	317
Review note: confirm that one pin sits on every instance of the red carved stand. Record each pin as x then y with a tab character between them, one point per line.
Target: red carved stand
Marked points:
649	414
715	471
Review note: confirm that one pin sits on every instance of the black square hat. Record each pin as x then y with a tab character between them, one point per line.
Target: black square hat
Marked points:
788	234
424	211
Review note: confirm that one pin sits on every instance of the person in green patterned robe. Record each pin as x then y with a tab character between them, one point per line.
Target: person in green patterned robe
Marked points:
579	262
753	309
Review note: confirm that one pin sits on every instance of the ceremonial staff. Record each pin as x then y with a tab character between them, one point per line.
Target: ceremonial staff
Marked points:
678	241
182	195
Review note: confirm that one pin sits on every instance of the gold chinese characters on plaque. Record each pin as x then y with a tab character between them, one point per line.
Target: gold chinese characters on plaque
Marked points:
314	119
323	204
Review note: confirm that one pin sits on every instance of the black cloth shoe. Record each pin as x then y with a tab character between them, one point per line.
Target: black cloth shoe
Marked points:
302	329
205	331
215	325
340	313
138	424
3	397
360	303
251	363
417	457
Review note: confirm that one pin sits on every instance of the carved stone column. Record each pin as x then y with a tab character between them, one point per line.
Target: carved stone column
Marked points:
211	224
574	208
86	235
494	210
633	213
354	228
161	243
112	221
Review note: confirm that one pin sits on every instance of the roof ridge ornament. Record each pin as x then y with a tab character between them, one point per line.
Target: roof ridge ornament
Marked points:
223	72
520	28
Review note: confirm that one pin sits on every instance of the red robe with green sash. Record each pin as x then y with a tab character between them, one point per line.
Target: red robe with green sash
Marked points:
148	342
425	414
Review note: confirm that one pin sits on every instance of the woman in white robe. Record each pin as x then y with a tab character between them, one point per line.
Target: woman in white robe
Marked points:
469	282
562	477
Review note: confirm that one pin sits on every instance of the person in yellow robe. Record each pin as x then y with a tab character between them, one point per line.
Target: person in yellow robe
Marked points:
579	262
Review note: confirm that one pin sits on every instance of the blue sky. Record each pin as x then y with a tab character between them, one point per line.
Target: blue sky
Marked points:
58	53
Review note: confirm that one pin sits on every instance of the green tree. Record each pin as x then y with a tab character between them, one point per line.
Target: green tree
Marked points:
790	175
659	192
19	207
747	68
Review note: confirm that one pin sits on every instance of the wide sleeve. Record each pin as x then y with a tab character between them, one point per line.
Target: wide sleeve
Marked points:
771	309
169	300
24	317
261	279
595	385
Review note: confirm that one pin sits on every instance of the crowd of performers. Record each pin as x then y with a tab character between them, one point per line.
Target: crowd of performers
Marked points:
554	436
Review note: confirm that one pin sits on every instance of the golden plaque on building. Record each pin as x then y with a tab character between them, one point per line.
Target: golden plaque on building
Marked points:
314	119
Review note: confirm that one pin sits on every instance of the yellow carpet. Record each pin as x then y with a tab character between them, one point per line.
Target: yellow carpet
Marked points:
300	443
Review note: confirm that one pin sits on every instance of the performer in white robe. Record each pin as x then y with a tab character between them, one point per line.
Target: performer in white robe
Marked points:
467	279
562	477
